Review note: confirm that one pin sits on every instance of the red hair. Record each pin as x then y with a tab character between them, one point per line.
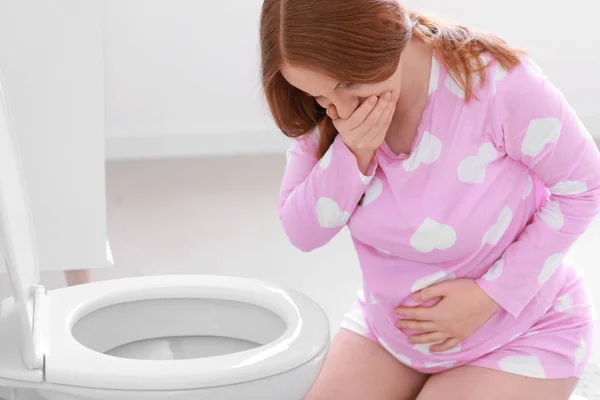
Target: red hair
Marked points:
357	41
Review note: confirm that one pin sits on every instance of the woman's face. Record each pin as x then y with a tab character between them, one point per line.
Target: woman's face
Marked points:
344	96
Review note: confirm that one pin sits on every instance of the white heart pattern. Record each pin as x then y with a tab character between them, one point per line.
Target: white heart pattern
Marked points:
495	270
443	364
430	280
580	352
427	152
530	366
551	264
499	75
432	235
484	61
528	187
473	168
541	131
425	348
564	304
453	87
326	159
434	77
551	215
372	192
496	231
329	213
567	188
400	357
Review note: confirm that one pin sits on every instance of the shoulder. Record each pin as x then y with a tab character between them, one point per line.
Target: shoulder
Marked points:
522	93
520	84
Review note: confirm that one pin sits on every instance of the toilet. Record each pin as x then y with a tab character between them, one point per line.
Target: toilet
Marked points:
159	337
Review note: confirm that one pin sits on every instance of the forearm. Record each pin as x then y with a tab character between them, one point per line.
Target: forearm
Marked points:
318	198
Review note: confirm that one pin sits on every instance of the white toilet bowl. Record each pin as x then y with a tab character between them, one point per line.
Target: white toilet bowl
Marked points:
215	337
160	337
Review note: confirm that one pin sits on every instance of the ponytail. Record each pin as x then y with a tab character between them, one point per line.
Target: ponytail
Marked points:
460	48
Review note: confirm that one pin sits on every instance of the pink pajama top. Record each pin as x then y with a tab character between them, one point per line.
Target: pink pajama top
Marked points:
495	190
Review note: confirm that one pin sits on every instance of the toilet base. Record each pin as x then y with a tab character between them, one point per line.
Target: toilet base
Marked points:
290	385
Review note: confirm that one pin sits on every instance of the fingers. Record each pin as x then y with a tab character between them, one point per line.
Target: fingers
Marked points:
381	126
366	128
332	112
432	292
361	113
416	313
426	338
417	326
375	116
446	345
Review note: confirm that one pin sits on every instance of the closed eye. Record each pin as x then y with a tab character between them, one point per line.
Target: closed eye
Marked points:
346	85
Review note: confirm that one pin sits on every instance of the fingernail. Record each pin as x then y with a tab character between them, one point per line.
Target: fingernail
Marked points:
387	96
372	100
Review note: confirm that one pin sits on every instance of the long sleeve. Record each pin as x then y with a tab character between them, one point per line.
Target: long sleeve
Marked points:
318	197
537	127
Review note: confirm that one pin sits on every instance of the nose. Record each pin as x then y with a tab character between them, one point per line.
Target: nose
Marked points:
345	108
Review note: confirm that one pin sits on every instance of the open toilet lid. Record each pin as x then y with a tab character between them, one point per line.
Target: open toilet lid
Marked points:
17	238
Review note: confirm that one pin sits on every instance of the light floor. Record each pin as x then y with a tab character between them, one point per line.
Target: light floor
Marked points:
219	216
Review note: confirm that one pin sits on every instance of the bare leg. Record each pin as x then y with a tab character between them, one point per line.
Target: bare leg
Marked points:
477	383
78	277
357	368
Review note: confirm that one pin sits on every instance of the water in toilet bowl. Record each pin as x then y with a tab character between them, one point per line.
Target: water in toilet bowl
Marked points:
181	348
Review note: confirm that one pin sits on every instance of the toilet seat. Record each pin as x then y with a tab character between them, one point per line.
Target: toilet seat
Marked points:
49	355
67	362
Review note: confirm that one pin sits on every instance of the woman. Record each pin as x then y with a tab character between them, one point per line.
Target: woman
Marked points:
464	177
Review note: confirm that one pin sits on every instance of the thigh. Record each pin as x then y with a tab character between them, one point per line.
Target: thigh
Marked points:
479	383
358	368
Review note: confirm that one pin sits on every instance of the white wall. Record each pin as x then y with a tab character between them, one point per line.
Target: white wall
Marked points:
52	68
182	75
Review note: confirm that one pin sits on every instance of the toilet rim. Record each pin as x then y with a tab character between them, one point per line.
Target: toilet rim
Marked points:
68	362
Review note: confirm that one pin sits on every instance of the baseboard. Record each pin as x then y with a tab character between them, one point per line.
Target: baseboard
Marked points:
223	143
200	145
